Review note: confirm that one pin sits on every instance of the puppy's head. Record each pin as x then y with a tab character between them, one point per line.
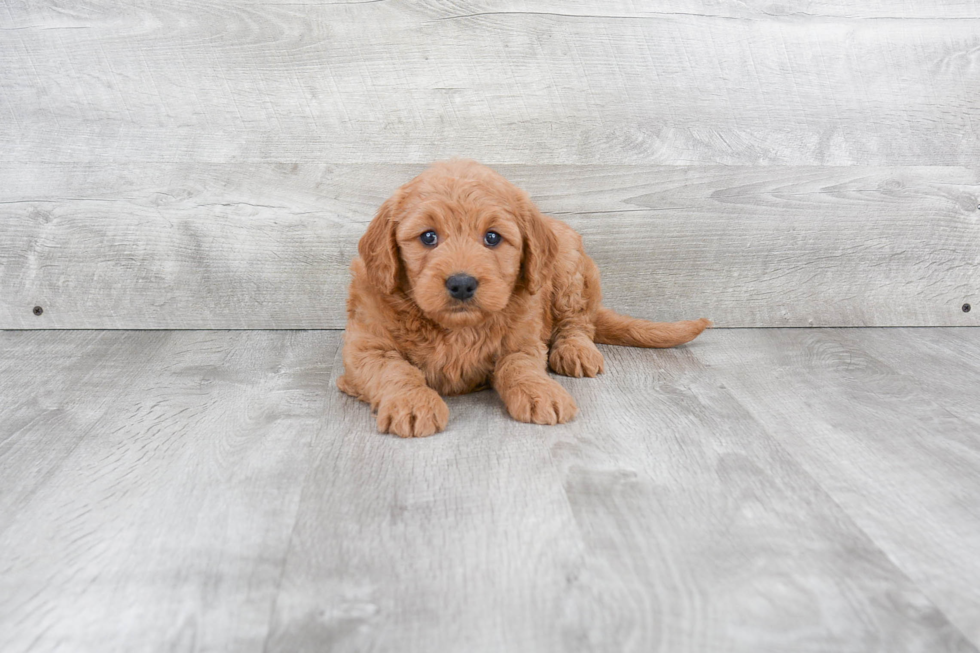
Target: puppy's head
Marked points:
460	240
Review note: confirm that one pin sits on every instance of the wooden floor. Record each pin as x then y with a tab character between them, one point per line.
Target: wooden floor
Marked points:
757	490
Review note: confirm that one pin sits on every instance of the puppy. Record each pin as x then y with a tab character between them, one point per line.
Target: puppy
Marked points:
463	284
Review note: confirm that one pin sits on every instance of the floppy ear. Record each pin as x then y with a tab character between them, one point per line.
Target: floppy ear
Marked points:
540	247
378	249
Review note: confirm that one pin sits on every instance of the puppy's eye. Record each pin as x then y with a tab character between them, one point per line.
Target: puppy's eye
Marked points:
492	239
429	238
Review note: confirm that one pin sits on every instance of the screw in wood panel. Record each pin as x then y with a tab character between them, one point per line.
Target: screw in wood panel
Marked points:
38	310
966	308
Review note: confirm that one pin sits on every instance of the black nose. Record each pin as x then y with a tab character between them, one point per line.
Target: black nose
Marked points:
461	286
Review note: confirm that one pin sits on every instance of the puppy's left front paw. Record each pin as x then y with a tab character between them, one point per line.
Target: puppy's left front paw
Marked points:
541	401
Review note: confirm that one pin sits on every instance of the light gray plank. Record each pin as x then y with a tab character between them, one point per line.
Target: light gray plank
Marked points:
166	526
865	414
875	10
54	388
698	519
941	362
268	245
888	83
667	517
663	518
461	541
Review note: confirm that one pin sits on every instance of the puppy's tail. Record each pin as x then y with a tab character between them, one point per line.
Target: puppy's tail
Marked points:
611	328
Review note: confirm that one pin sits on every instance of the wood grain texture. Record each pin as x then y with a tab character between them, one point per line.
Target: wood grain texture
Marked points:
201	491
695	519
887	83
212	165
165	523
941	360
885	421
665	518
53	392
461	542
268	245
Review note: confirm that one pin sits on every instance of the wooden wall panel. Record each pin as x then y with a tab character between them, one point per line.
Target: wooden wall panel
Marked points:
892	83
268	245
188	165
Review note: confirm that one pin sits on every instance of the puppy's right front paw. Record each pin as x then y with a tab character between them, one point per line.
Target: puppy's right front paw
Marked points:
413	413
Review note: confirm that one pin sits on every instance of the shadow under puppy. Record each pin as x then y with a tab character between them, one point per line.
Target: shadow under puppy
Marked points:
462	284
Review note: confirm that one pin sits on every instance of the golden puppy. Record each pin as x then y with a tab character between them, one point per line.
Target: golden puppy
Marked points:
462	284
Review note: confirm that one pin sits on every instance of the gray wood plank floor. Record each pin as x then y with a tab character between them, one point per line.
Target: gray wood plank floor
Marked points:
757	490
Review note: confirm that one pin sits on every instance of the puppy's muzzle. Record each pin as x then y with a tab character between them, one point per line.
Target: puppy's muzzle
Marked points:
461	286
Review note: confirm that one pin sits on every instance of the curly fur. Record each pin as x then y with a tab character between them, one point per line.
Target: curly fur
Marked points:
538	304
